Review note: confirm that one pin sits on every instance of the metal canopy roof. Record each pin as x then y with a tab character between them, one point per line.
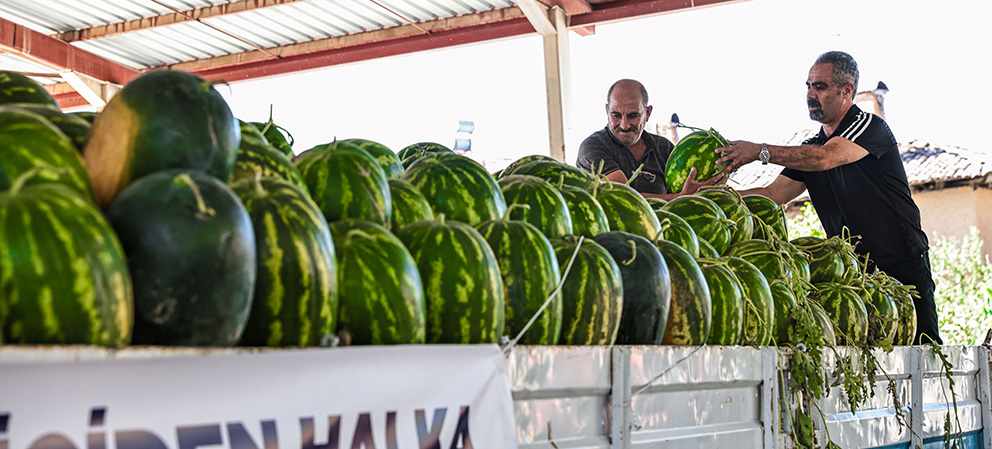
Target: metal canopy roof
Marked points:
112	41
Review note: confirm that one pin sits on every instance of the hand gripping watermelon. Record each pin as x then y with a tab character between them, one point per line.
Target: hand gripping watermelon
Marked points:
694	150
647	287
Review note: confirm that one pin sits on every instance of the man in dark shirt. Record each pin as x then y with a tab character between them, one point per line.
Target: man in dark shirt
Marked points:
855	178
623	145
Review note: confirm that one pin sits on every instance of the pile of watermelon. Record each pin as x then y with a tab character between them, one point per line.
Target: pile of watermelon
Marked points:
165	220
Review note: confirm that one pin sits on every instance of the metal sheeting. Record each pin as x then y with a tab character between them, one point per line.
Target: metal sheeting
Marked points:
18	64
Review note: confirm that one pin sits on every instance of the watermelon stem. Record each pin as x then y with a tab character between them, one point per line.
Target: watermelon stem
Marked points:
184	179
506	215
634	175
561	179
23	178
257	182
633	248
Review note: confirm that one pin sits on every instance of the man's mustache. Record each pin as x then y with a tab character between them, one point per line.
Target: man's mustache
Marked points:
813	103
622	130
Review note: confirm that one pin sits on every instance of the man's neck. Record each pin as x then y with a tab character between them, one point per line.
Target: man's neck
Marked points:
829	128
638	149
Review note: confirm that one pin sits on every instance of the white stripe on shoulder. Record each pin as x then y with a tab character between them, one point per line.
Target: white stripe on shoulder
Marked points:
857	127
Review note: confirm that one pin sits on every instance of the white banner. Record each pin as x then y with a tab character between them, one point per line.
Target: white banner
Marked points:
404	397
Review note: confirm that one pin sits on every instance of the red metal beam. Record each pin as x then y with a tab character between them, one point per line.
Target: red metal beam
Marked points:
59	55
629	9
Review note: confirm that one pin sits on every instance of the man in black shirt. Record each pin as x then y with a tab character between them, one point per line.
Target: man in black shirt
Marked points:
623	145
855	178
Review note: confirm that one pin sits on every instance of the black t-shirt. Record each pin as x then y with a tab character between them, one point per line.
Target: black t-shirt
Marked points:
870	196
602	146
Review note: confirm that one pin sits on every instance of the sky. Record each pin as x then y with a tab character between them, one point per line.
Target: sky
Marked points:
739	68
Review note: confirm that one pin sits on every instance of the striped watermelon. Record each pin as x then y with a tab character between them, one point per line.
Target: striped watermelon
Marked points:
883	315
555	172
412	153
73	126
295	302
762	254
846	310
852	265
656	203
785	302
691	310
258	157
388	160
647	288
706	250
249	130
63	276
28	141
463	290
382	296
759	305
906	308
676	230
733	207
275	135
588	216
346	183
694	150
531	158
823	321
728	303
85	115
530	273
706	219
457	187
17	88
626	210
545	209
190	249
163	119
592	293
825	265
771	217
409	205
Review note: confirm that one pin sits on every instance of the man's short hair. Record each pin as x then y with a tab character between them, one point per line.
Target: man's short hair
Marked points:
845	68
644	92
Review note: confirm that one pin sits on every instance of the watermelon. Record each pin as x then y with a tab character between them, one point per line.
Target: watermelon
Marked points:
412	153
770	217
555	172
63	275
656	203
626	210
647	288
826	264
588	216
676	230
382	296
531	158
73	126
28	141
706	250
457	187
346	183
733	207
275	135
852	265
17	88
759	305
163	119
883	315
530	273
85	115
694	150
785	302
823	321
409	205
906	328
295	301
256	157
546	208
772	263
846	310
690	313
592	292
463	290
706	219
249	130
728	303
190	249
386	158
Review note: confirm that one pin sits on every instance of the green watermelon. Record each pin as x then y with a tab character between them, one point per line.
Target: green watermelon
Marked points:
530	273
592	293
190	249
906	308
846	310
457	187
409	205
85	115
826	264
852	265
762	254
73	126
691	310
275	135
463	290
63	275
733	207
555	172
257	157
676	230
759	304
531	158
706	219
160	120
388	160
694	150
626	210
346	183
823	321
17	88
883	315
249	130
706	250
295	302
588	216
784	301
647	288
382	296
771	217
412	153
656	203
546	208
28	141
728	303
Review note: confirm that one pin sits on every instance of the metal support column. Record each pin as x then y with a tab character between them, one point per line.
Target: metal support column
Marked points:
771	411
620	428
918	371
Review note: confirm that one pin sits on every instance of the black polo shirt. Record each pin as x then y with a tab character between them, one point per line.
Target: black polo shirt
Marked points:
602	146
870	196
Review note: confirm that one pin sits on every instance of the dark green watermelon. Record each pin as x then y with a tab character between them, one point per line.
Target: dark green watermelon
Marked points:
545	206
691	310
826	264
647	287
694	150
883	314
73	126
412	153
457	187
592	292
28	141
276	136
656	203
785	302
249	130
772	262
706	250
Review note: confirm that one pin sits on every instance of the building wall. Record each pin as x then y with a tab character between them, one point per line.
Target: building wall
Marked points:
952	211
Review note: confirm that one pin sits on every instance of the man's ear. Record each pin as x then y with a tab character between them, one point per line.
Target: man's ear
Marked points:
647	113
